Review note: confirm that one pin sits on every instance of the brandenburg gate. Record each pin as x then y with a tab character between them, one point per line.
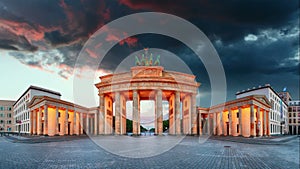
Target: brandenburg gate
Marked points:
147	81
248	116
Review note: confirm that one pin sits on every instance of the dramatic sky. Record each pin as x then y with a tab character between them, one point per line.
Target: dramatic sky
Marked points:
257	41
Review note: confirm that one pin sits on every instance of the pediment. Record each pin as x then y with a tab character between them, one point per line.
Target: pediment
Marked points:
263	99
34	100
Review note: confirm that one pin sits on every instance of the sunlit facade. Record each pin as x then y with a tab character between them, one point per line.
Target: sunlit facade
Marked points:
148	83
22	112
279	108
247	116
51	116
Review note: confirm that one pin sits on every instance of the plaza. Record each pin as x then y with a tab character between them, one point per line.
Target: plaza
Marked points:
190	152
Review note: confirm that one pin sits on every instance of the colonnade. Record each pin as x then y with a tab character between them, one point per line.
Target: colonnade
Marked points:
188	124
51	119
247	120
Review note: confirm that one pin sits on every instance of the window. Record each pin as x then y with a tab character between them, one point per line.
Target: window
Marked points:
1	114
58	114
9	115
237	115
8	121
2	108
237	128
1	121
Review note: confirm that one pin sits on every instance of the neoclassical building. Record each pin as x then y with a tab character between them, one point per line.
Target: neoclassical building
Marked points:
246	116
53	116
148	83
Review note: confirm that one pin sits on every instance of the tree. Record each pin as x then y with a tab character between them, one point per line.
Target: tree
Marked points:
165	125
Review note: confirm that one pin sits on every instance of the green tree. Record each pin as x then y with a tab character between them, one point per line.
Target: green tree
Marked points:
165	125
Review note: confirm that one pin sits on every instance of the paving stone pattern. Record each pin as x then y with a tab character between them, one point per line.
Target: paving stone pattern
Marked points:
189	153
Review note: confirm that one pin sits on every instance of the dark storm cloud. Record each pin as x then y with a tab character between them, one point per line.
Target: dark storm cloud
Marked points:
56	22
256	40
225	20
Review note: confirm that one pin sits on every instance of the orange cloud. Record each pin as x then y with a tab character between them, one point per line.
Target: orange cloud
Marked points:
114	37
91	53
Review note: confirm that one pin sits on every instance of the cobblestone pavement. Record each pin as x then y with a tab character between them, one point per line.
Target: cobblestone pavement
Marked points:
189	153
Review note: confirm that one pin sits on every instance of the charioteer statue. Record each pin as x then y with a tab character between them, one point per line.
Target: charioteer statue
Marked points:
147	60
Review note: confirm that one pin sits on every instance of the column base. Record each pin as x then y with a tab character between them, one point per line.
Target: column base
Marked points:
46	135
56	134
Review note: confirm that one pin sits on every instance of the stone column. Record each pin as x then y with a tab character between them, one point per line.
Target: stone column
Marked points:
215	123
222	123
177	113
40	132
200	124
101	115
31	122
240	122
268	124
34	121
87	127
45	119
56	121
230	122
96	123
139	117
265	122
81	123
66	122
208	124
259	122
194	114
135	103
117	113
159	113
75	128
172	114
252	122
123	114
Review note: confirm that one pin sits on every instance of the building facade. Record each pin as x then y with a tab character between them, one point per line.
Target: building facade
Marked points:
21	111
148	83
279	108
294	117
285	96
51	116
6	116
247	116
